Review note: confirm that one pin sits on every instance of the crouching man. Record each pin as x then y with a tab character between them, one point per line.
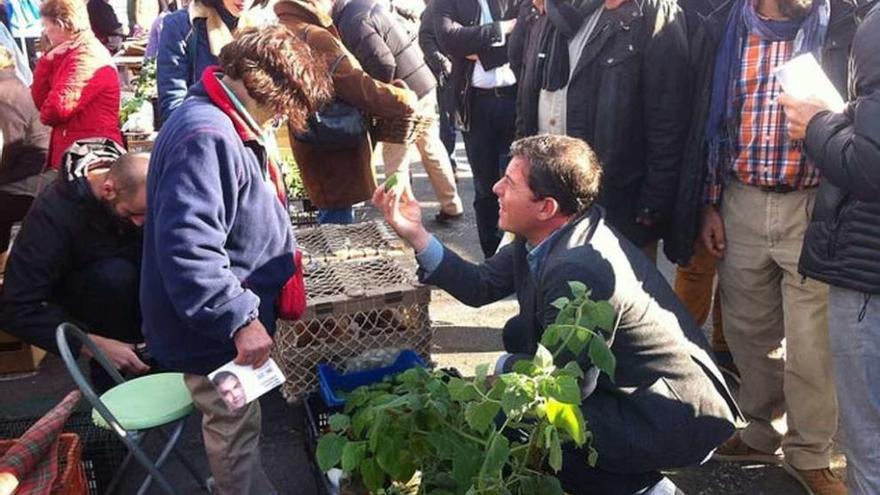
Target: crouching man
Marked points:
218	244
668	406
77	257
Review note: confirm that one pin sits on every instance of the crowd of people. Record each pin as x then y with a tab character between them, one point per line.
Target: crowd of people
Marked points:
593	130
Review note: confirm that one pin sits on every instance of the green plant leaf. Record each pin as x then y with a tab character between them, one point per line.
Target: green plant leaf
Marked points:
361	420
578	288
515	402
571	369
543	484
560	303
552	335
481	371
481	415
352	455
604	315
372	475
466	465
461	391
339	422
329	451
602	357
568	418
566	390
543	359
391	182
554	458
377	431
497	456
592	457
525	367
580	337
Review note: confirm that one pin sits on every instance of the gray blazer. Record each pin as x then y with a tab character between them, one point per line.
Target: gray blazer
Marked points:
668	406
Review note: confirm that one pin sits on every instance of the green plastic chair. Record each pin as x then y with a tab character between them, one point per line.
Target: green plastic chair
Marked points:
134	408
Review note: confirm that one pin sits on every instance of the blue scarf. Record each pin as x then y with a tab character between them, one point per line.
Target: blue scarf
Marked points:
808	35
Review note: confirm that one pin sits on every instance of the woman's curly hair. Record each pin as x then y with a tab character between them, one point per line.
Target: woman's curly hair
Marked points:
279	72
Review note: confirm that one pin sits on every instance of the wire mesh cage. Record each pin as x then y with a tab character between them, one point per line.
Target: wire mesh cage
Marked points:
353	307
345	242
302	212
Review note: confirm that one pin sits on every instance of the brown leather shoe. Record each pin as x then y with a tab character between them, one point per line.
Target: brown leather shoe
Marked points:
736	450
817	481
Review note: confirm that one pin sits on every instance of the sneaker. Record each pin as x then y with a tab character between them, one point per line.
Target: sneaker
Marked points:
444	217
725	363
817	481
736	450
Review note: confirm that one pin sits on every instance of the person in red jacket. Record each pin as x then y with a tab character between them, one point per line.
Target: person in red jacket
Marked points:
76	86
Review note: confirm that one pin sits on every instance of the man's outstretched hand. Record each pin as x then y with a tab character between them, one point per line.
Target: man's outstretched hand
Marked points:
402	212
253	344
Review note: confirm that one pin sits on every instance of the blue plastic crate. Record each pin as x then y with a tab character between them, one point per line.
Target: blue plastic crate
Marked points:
332	381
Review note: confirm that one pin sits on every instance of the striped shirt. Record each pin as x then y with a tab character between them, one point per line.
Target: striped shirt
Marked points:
762	154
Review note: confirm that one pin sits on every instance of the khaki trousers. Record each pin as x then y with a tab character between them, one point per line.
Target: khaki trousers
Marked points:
776	325
694	285
232	441
435	159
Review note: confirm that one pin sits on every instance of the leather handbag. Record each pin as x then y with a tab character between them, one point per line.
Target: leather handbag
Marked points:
338	125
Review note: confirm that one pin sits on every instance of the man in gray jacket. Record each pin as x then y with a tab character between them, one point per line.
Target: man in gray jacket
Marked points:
667	405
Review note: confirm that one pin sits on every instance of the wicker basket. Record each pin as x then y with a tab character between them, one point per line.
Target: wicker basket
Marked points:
403	130
71	478
353	306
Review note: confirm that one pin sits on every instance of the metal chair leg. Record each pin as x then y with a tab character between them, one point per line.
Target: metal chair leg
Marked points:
163	456
151	468
140	438
183	459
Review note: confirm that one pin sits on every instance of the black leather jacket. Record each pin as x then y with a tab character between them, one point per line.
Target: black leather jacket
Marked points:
842	244
628	98
458	29
686	216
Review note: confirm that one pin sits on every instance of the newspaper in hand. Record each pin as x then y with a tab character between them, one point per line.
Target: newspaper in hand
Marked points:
239	385
802	77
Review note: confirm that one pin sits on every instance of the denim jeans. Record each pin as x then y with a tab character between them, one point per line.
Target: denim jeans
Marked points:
342	216
855	348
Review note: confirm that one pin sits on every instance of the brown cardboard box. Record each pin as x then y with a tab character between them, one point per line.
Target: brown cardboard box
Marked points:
17	356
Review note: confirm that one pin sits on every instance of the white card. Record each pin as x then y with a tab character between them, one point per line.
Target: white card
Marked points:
803	77
239	385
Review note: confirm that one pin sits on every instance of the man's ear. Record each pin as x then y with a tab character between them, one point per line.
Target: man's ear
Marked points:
108	190
549	208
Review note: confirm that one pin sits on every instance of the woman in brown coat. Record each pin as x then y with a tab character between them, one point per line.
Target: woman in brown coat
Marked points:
337	179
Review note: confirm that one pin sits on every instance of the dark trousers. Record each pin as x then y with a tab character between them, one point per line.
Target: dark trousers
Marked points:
14	208
578	477
446	121
487	143
104	296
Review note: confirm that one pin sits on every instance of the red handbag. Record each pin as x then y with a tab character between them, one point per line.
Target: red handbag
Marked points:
291	302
